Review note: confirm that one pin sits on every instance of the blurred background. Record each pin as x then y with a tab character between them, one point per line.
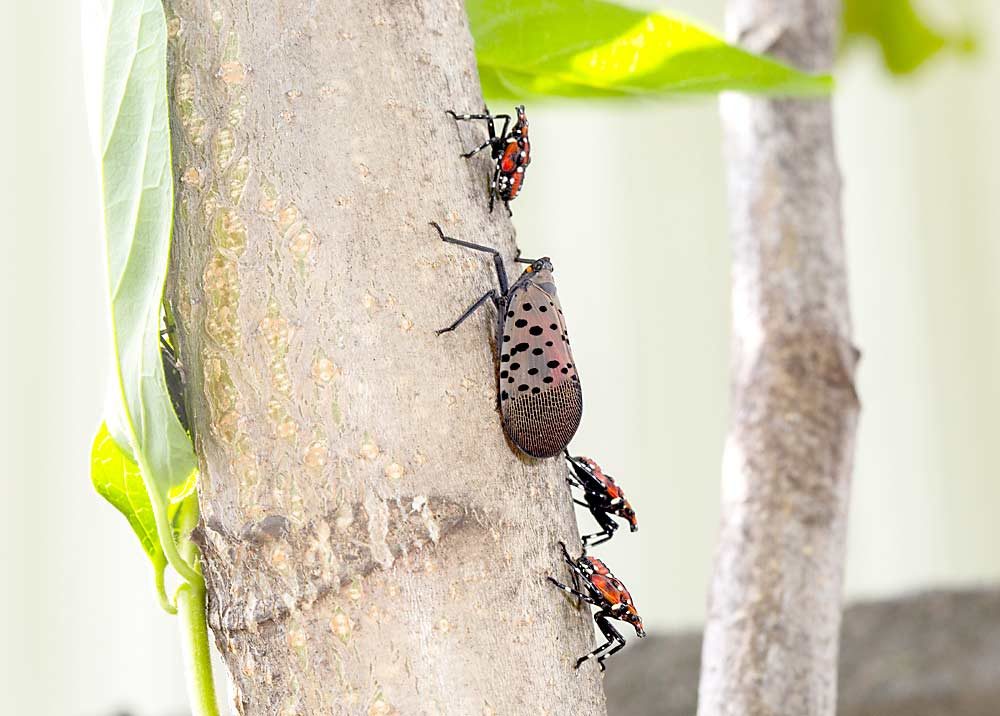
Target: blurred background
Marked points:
630	201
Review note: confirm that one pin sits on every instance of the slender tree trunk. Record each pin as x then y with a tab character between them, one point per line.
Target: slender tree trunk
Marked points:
774	608
371	543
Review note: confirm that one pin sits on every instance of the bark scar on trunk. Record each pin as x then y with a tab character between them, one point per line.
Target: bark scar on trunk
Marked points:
334	552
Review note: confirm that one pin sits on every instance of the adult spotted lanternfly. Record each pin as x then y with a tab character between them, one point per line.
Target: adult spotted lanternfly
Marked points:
601	495
511	152
606	592
538	388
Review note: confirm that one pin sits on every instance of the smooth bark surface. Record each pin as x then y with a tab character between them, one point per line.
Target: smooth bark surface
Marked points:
774	604
372	544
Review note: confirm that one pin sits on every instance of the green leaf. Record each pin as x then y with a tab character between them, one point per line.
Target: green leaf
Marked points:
116	478
589	48
905	39
138	208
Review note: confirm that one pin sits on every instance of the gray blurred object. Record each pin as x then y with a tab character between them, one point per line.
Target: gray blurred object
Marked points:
930	654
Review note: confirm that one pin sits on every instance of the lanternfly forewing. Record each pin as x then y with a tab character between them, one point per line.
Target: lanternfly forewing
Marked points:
540	397
539	393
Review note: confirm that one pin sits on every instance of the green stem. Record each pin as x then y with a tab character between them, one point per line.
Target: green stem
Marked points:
191	607
165	531
197	656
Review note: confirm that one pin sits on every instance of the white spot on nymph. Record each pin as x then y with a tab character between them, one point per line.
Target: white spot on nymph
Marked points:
520	170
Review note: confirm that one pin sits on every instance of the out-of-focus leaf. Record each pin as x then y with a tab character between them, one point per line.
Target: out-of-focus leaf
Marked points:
138	209
589	48
905	39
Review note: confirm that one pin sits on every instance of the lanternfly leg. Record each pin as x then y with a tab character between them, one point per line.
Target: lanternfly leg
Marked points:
571	477
489	122
608	527
576	574
616	648
578	577
605	536
478	149
494	190
497	261
165	346
472	309
569	560
578	594
615	640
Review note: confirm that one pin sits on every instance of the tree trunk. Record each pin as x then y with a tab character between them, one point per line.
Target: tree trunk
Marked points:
371	543
774	605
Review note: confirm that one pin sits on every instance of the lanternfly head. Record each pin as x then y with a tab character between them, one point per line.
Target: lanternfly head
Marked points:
521	126
635	620
542	264
626	512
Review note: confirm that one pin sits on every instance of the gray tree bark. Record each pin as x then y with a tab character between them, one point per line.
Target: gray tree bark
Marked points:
774	606
371	543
